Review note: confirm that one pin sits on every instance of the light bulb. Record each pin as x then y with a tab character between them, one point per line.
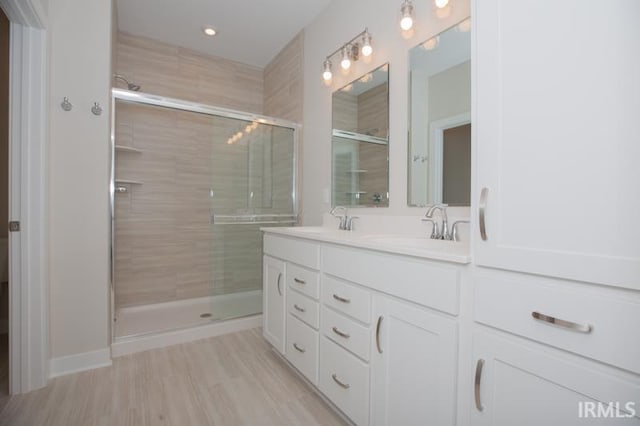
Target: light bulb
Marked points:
406	22
366	78
326	74
441	3
347	88
367	50
346	61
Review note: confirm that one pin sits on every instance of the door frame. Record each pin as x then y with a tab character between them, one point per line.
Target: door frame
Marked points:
436	151
28	249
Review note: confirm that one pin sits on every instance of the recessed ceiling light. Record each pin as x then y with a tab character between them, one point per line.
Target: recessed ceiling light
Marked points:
210	31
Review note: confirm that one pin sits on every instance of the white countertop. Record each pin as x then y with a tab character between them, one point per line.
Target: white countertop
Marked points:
423	247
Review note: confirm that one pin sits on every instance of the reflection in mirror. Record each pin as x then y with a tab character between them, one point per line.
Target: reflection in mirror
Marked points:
440	119
360	141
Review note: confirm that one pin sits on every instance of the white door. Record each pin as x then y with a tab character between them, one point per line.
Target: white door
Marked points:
531	385
273	304
556	107
414	361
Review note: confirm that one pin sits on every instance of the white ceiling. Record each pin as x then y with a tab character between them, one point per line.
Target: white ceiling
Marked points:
249	31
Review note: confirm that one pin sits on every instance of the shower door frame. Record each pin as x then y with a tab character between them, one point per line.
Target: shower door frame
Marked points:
195	107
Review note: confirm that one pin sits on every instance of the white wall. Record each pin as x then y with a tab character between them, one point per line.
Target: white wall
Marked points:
337	24
80	47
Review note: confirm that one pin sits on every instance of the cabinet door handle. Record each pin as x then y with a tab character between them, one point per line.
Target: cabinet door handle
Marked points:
298	348
341	299
340	333
378	334
341	384
279	279
299	309
476	385
299	281
573	326
482	207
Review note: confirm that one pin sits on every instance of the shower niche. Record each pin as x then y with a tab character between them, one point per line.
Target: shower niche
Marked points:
192	185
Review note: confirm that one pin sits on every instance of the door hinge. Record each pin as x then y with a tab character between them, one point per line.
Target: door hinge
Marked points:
14	226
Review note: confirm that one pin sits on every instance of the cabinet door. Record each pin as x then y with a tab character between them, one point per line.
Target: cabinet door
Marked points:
273	302
526	384
414	360
556	107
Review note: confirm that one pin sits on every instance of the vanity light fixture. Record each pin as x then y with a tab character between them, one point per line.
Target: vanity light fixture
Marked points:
440	4
406	15
350	52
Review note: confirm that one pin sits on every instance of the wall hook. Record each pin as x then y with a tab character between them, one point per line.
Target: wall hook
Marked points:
96	109
66	105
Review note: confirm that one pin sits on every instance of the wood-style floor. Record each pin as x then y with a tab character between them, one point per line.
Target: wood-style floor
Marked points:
234	379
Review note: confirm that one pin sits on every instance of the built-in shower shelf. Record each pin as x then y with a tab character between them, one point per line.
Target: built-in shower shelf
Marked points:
357	171
124	148
128	181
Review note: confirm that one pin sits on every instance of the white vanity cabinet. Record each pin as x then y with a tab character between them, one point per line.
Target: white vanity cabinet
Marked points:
413	365
377	333
527	384
556	102
273	302
546	351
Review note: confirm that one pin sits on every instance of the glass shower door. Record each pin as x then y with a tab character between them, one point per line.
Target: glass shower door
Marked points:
252	185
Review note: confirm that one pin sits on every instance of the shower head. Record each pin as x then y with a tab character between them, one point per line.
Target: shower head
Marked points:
130	86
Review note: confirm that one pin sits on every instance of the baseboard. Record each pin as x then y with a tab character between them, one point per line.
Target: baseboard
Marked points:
79	362
128	345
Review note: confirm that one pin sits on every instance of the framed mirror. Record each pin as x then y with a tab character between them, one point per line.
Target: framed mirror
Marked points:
439	154
360	141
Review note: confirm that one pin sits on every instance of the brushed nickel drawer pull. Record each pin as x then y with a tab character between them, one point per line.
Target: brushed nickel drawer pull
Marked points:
573	326
299	281
481	213
342	385
340	333
298	348
476	384
341	299
299	309
279	279
378	334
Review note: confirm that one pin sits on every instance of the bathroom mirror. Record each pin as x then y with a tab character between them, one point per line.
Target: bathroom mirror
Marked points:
360	141
439	154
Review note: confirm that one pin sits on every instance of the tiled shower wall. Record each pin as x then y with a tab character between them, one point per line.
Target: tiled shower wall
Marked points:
166	248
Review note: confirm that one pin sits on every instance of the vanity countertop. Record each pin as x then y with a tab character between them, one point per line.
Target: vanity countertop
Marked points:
448	251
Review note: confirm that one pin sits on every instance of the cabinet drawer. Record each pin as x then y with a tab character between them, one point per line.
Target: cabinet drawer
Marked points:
595	325
432	284
344	379
347	298
304	308
298	251
346	332
303	280
302	348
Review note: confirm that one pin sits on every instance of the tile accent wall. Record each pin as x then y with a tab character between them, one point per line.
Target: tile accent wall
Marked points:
172	71
166	249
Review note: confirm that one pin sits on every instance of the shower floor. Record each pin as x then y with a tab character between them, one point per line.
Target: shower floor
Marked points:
158	317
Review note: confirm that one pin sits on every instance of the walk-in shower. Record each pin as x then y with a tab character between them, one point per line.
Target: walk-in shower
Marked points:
191	187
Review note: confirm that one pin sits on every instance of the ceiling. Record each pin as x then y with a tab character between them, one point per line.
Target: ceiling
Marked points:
249	31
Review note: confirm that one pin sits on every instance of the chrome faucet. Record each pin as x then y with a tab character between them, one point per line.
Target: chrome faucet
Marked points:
438	232
343	217
454	229
346	221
